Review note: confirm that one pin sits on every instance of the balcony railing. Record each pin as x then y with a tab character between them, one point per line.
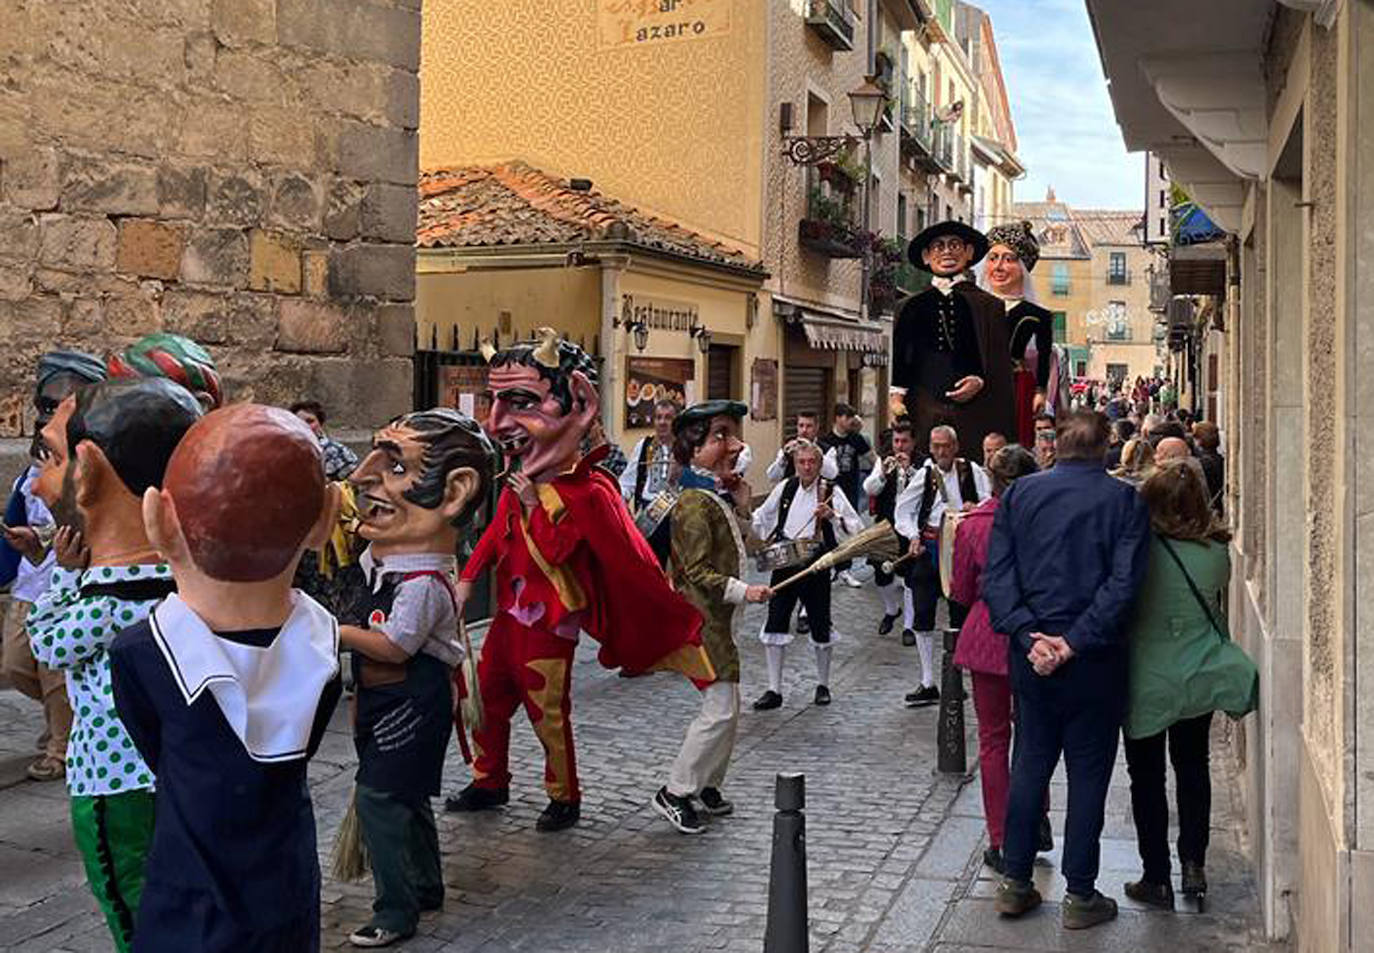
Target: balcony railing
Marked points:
1119	276
828	226
834	20
944	147
1160	292
917	132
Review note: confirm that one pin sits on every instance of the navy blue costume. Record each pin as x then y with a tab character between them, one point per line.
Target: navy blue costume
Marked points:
1067	555
233	865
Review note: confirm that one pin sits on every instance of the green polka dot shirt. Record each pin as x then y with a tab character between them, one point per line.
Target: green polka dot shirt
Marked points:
72	633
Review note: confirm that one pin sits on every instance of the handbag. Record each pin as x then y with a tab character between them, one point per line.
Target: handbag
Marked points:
1231	662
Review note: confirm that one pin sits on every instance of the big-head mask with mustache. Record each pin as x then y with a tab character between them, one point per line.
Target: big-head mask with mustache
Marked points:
545	401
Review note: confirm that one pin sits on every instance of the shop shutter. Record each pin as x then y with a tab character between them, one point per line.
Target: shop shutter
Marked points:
720	372
805	390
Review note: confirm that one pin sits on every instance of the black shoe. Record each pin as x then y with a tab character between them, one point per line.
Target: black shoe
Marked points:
908	637
1079	912
558	816
992	858
430	904
803	625
922	697
822	695
473	798
1044	838
715	805
375	936
678	811
768	701
885	626
1154	895
1015	897
1194	880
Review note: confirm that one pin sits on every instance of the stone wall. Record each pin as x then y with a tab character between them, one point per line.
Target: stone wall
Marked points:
239	171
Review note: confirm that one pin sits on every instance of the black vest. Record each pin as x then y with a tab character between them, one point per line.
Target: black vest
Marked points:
968	489
642	471
789	493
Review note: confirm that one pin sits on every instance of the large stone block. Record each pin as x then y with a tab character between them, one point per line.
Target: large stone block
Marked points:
216	256
18	233
297	202
214	129
312	327
379	154
16	279
275	262
238	197
403	99
362	395
76	243
181	191
97	184
237	320
250	77
396	329
30	179
35	319
136	312
381	271
343	210
389	213
282	137
241	22
149	248
353	28
315	273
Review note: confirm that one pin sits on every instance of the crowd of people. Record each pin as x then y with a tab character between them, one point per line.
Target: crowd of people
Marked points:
186	573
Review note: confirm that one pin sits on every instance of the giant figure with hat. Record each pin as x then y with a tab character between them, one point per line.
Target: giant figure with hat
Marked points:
567	558
951	357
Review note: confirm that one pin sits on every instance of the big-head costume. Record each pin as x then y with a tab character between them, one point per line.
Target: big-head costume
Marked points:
565	552
1032	332
947	334
104	447
227	687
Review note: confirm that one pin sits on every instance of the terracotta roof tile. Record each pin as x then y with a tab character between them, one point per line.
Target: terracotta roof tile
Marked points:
516	204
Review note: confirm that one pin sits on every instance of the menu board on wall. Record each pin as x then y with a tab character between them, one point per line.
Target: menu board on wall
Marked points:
651	379
464	386
650	22
763	391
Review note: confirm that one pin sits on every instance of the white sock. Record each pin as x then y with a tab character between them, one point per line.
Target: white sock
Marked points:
908	608
925	645
773	655
823	664
892	598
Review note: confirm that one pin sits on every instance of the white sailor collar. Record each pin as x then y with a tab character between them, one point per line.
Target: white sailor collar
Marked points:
946	285
268	695
376	570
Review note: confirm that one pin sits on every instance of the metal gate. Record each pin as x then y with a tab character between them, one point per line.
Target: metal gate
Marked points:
805	390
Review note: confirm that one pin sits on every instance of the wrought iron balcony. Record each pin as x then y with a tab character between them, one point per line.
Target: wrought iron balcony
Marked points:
1118	276
918	134
943	151
834	20
828	226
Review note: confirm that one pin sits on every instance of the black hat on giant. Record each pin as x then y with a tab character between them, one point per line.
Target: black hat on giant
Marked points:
707	409
968	233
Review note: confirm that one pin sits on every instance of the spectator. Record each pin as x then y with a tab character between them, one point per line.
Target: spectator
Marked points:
983	652
1183	667
339	461
1137	461
1167	428
1067	554
1172	448
1122	430
991	444
1044	441
1207	438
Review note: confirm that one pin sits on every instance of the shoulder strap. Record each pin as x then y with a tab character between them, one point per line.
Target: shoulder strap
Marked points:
789	493
642	468
1197	594
443	579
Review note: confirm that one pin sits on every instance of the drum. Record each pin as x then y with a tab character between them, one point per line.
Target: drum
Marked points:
787	553
949	525
656	510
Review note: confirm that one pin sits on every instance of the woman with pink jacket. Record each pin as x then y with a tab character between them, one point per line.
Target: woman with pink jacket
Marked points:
983	652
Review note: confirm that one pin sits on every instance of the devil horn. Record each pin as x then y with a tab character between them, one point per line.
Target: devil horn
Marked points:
487	349
547	351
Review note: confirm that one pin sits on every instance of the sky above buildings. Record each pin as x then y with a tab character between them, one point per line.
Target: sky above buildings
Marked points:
1067	132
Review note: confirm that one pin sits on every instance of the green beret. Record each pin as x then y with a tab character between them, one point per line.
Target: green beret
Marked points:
706	409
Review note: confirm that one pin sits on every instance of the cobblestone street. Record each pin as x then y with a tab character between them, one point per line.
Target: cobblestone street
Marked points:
894	850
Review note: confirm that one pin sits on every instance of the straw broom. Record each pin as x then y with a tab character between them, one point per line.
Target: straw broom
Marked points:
350	853
878	541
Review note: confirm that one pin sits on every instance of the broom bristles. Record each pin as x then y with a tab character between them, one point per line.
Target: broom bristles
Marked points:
350	853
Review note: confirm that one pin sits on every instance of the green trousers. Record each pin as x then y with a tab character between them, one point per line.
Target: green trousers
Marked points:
113	833
403	846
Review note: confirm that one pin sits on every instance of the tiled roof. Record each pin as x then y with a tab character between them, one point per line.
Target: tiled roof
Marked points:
516	204
1055	227
1109	226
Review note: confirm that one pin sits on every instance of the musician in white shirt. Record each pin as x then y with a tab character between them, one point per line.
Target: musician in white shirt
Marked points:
803	507
945	481
647	472
781	468
891	475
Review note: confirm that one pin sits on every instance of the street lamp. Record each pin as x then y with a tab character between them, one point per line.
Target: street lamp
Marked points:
703	338
867	104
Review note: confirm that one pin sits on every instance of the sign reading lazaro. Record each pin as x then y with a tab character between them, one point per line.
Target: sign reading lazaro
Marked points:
638	22
662	314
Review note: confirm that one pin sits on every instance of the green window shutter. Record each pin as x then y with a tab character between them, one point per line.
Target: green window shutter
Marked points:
1061	327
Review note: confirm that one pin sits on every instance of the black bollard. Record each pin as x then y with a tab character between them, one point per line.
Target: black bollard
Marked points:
788	928
953	758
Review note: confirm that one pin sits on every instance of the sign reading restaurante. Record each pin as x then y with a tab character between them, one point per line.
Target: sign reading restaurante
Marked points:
634	22
659	314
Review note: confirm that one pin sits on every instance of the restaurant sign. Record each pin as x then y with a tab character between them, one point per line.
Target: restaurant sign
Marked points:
649	22
659	314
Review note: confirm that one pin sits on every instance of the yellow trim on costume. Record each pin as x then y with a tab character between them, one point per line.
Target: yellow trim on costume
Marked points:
570	591
551	501
689	660
551	728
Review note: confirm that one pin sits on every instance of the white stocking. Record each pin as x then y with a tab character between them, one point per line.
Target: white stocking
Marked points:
908	608
773	655
823	664
925	644
892	598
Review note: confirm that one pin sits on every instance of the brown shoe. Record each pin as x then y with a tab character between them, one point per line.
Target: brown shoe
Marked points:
47	768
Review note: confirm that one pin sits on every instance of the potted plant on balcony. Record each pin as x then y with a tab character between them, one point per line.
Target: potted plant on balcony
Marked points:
885	261
826	226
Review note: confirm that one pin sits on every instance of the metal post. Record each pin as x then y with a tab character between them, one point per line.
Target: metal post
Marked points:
953	758
867	259
787	930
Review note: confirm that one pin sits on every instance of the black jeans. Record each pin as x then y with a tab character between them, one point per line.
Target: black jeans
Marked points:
923	577
1189	751
813	593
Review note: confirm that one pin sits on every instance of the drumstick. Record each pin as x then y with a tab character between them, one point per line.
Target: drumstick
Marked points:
891	565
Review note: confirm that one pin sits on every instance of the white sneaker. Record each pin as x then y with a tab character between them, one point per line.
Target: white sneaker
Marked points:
372	936
848	579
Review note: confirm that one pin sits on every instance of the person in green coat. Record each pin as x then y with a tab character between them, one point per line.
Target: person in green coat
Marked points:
1183	667
706	560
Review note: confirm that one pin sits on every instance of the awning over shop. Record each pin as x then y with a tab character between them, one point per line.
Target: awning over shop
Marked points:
829	333
1198	269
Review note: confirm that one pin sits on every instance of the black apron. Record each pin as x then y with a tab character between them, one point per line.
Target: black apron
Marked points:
404	717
